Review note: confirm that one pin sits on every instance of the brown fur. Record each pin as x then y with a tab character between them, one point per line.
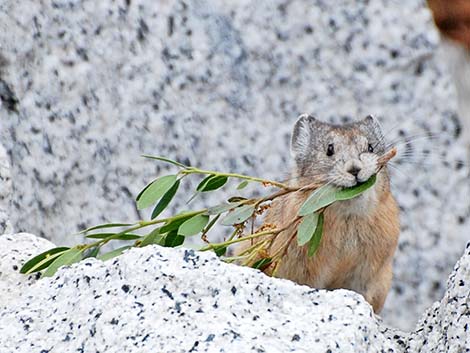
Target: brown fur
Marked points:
356	249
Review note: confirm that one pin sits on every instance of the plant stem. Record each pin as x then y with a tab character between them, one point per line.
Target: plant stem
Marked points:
234	175
233	241
164	220
276	267
234	233
208	228
253	247
283	249
254	250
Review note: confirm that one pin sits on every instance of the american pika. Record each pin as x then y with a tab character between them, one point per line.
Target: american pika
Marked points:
359	235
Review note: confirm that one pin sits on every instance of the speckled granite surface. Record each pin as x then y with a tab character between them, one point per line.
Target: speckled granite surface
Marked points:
16	250
445	327
5	193
177	300
88	86
457	59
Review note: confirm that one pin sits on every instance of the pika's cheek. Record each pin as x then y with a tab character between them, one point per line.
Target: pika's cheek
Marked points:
340	177
369	166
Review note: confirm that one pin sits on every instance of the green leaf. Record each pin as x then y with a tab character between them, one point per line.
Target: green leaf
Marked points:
315	241
67	258
211	224
93	252
307	228
320	198
154	237
212	182
125	236
238	215
242	185
328	194
220	251
114	253
194	225
165	200
106	225
155	191
41	261
236	199
143	190
167	160
99	235
173	239
224	207
175	224
349	193
204	181
262	264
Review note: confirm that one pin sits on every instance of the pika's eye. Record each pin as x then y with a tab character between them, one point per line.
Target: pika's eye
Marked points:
330	150
370	148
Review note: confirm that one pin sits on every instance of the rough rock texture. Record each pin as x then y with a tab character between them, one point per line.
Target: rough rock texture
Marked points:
165	300
16	249
177	300
87	86
5	192
458	61
446	326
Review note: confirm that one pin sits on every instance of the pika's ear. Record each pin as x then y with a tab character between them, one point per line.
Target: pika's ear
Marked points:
371	121
371	125
302	135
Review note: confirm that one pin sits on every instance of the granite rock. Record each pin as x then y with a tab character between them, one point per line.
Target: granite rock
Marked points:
87	86
5	192
177	300
16	250
445	327
158	299
457	59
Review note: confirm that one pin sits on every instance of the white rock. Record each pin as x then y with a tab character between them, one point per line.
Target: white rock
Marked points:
220	83
165	300
16	249
177	300
458	61
446	326
5	192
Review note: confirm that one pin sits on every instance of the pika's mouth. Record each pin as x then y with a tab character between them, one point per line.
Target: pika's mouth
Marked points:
348	184
358	188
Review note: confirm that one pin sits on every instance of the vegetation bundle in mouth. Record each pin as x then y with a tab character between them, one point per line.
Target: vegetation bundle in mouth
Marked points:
239	213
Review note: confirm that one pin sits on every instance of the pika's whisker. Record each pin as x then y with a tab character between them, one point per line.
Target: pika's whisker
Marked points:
421	163
409	141
395	168
415	155
409	137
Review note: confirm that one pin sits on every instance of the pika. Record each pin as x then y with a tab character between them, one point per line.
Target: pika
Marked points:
359	235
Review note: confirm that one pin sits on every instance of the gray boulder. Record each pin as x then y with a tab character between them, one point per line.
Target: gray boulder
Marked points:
87	86
5	193
158	299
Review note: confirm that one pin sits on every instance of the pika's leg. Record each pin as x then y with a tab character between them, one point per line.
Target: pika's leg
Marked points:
378	289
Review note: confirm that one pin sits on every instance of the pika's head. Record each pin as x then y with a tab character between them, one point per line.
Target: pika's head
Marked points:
344	155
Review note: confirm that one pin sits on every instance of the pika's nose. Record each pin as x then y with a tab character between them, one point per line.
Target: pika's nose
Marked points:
354	171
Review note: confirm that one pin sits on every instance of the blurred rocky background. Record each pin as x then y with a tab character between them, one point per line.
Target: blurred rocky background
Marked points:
87	86
453	20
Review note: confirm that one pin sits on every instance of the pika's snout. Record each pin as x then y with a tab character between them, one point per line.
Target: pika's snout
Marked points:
354	168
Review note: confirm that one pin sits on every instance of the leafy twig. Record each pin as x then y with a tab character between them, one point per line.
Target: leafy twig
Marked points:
172	231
